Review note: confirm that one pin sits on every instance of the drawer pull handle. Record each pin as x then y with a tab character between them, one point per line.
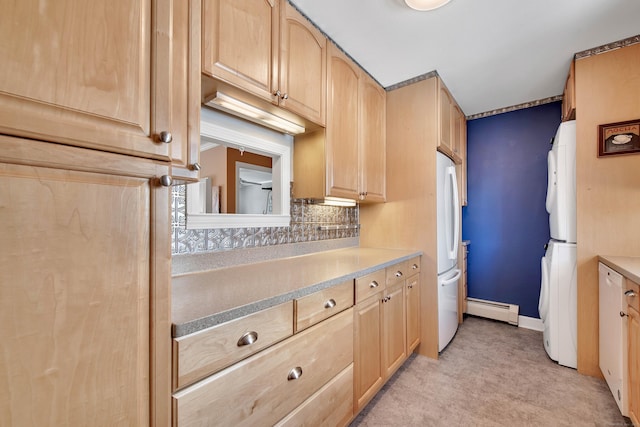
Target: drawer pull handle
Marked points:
630	293
295	373
398	273
414	267
330	304
373	284
248	338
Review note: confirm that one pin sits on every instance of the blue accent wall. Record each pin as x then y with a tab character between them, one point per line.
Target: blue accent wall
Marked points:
505	219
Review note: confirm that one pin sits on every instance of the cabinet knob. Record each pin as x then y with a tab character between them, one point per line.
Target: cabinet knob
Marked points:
248	338
414	267
630	293
165	137
295	373
373	284
622	314
285	96
166	180
330	304
398	273
196	166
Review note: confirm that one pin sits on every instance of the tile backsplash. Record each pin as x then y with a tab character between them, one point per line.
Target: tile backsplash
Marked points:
309	222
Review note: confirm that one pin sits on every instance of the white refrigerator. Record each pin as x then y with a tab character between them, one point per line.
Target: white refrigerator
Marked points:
448	222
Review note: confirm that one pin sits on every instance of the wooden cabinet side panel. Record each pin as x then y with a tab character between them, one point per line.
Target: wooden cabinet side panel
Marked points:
74	298
606	85
238	43
309	165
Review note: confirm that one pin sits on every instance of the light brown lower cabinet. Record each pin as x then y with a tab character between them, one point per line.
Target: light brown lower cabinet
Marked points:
412	297
634	365
393	329
367	350
268	386
331	406
386	326
84	287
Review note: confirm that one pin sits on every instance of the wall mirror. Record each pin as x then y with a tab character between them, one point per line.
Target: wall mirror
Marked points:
245	175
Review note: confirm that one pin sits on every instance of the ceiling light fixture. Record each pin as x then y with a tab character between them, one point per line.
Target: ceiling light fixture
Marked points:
424	5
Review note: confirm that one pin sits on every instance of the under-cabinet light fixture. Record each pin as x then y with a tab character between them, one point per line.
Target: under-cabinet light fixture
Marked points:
424	5
337	201
236	107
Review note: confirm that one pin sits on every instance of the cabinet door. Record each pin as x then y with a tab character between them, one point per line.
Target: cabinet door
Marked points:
238	43
368	373
84	272
185	150
394	329
412	296
342	125
457	123
634	365
303	66
569	96
96	74
445	143
373	116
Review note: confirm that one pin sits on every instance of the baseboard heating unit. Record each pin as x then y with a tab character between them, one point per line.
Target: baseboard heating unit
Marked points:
493	310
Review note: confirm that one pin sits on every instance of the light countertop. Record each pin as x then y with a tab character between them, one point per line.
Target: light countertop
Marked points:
627	266
207	298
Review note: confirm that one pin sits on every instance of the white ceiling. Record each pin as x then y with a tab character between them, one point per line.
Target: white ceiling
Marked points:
490	53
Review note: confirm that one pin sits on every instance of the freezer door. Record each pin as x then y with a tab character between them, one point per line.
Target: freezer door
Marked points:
447	307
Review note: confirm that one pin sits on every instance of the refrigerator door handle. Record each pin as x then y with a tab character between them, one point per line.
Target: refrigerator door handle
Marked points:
453	279
451	174
551	182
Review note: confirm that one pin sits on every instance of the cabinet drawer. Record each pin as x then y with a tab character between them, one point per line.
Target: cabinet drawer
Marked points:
633	301
413	266
330	406
369	285
261	390
205	352
397	273
323	304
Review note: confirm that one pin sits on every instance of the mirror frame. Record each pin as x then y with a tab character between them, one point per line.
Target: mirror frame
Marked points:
219	128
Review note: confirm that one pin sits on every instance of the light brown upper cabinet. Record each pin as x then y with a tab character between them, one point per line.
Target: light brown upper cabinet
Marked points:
451	124
569	95
373	118
80	73
268	49
347	159
343	178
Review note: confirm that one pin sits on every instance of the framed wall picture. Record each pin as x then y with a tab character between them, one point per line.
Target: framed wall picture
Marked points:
619	138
